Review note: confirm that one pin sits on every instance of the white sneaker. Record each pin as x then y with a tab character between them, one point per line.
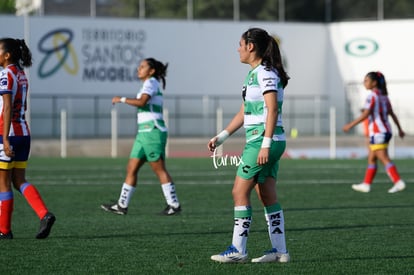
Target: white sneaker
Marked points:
272	256
362	187
231	255
399	186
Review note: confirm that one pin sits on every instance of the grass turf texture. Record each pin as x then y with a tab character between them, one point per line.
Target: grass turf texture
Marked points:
330	229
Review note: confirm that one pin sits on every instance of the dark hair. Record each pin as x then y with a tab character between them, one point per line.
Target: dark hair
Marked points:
19	52
160	69
268	50
380	79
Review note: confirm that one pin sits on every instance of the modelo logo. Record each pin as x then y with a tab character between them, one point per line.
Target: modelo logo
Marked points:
361	47
57	47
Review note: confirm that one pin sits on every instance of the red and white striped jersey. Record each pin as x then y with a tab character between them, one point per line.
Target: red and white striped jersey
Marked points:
380	107
13	81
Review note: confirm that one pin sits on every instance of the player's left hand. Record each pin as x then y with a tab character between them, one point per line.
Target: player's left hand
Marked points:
116	99
346	128
8	150
263	156
211	145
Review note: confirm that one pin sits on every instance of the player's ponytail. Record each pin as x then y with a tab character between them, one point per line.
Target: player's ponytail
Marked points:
382	84
273	57
160	69
19	52
268	50
26	55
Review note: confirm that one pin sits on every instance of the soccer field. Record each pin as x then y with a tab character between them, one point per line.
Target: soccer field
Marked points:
330	229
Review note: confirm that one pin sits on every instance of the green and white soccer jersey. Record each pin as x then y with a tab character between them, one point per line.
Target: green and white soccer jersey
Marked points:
150	115
258	82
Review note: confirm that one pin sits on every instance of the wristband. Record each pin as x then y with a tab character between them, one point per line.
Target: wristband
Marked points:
221	137
123	99
267	142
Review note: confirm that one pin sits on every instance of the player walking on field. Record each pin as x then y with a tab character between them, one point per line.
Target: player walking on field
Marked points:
377	109
261	116
15	138
150	141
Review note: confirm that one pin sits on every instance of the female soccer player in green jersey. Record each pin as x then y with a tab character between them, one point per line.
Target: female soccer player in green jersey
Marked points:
261	116
151	138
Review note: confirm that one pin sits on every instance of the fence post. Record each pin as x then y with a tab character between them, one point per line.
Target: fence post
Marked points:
332	132
63	134
219	128
167	145
205	102
317	117
114	133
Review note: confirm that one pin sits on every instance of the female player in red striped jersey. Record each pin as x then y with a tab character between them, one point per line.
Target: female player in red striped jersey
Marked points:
377	109
15	138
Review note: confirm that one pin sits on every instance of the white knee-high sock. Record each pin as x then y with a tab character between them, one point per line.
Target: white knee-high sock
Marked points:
242	222
276	227
170	195
126	193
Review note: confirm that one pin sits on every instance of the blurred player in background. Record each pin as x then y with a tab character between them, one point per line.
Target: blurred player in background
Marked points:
150	140
15	138
377	109
261	116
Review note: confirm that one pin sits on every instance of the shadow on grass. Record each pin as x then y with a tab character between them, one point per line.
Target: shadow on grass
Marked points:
226	232
348	207
318	260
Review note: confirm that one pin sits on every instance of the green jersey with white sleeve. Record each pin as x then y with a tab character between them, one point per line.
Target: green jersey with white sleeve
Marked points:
258	82
151	115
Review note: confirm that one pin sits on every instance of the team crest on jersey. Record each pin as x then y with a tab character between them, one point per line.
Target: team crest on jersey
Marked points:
250	82
251	79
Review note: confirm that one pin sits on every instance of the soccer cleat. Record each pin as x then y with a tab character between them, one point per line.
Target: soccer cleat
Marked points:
46	225
7	236
362	187
171	210
272	256
399	186
231	255
115	208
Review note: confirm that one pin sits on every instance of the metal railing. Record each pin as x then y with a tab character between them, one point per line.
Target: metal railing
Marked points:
89	116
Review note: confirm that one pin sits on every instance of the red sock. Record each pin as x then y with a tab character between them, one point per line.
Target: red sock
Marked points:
370	173
6	209
34	199
392	172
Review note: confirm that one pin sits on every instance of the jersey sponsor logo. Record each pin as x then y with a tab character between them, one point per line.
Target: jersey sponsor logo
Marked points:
3	83
57	43
270	82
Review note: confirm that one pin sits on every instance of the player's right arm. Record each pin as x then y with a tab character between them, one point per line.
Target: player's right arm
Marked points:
365	114
401	133
232	127
7	113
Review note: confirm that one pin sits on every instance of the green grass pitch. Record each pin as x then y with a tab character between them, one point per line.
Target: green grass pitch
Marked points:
330	229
